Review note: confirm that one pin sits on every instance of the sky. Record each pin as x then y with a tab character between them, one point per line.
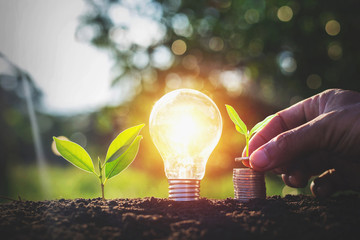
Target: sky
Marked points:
39	37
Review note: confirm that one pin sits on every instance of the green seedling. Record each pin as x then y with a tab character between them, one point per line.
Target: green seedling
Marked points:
241	127
120	154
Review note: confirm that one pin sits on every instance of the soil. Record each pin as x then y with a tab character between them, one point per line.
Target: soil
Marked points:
291	217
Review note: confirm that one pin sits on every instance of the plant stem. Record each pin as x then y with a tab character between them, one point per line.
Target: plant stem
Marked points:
101	180
102	192
247	145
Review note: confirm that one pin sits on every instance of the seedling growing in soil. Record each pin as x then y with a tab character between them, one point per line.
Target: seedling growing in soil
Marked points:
241	127
120	154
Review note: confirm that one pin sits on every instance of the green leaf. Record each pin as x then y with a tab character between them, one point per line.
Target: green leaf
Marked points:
74	154
261	124
122	142
121	163
239	124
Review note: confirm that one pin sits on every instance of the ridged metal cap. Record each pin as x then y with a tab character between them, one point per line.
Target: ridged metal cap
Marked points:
184	189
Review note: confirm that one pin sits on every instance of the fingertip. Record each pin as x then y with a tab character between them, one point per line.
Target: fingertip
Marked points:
295	179
244	152
321	190
246	163
259	160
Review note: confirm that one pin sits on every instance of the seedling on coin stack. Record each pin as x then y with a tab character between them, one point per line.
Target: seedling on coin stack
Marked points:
248	184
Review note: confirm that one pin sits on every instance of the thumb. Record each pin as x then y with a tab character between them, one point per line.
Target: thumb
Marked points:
290	145
345	177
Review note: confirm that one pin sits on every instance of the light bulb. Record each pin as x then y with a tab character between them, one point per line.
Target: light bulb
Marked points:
185	126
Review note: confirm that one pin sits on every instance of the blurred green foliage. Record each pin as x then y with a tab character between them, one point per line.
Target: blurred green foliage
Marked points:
277	49
68	182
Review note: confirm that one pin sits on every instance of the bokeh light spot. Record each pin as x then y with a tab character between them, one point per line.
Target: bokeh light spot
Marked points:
313	81
178	47
119	14
173	81
181	25
118	35
53	145
86	33
140	59
285	13
332	27
131	28
190	62
287	62
335	51
216	44
162	58
232	81
252	16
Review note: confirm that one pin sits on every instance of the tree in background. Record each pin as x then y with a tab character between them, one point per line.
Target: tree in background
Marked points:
256	55
273	50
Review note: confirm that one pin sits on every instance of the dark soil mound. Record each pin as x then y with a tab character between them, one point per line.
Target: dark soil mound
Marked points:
292	217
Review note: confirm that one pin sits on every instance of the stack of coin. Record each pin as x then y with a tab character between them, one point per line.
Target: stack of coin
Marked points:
248	184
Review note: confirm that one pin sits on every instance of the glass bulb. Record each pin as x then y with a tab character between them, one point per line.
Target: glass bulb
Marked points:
185	126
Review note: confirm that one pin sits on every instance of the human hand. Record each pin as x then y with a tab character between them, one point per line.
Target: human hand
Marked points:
318	135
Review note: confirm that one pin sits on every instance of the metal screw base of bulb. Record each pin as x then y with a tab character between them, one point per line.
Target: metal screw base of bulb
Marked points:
248	184
184	189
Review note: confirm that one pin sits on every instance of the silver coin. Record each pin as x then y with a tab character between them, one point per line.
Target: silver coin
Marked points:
247	193
248	179
248	175
250	190
248	183
248	187
241	183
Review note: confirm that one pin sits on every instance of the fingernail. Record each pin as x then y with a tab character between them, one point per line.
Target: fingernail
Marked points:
321	190
259	159
244	152
297	181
